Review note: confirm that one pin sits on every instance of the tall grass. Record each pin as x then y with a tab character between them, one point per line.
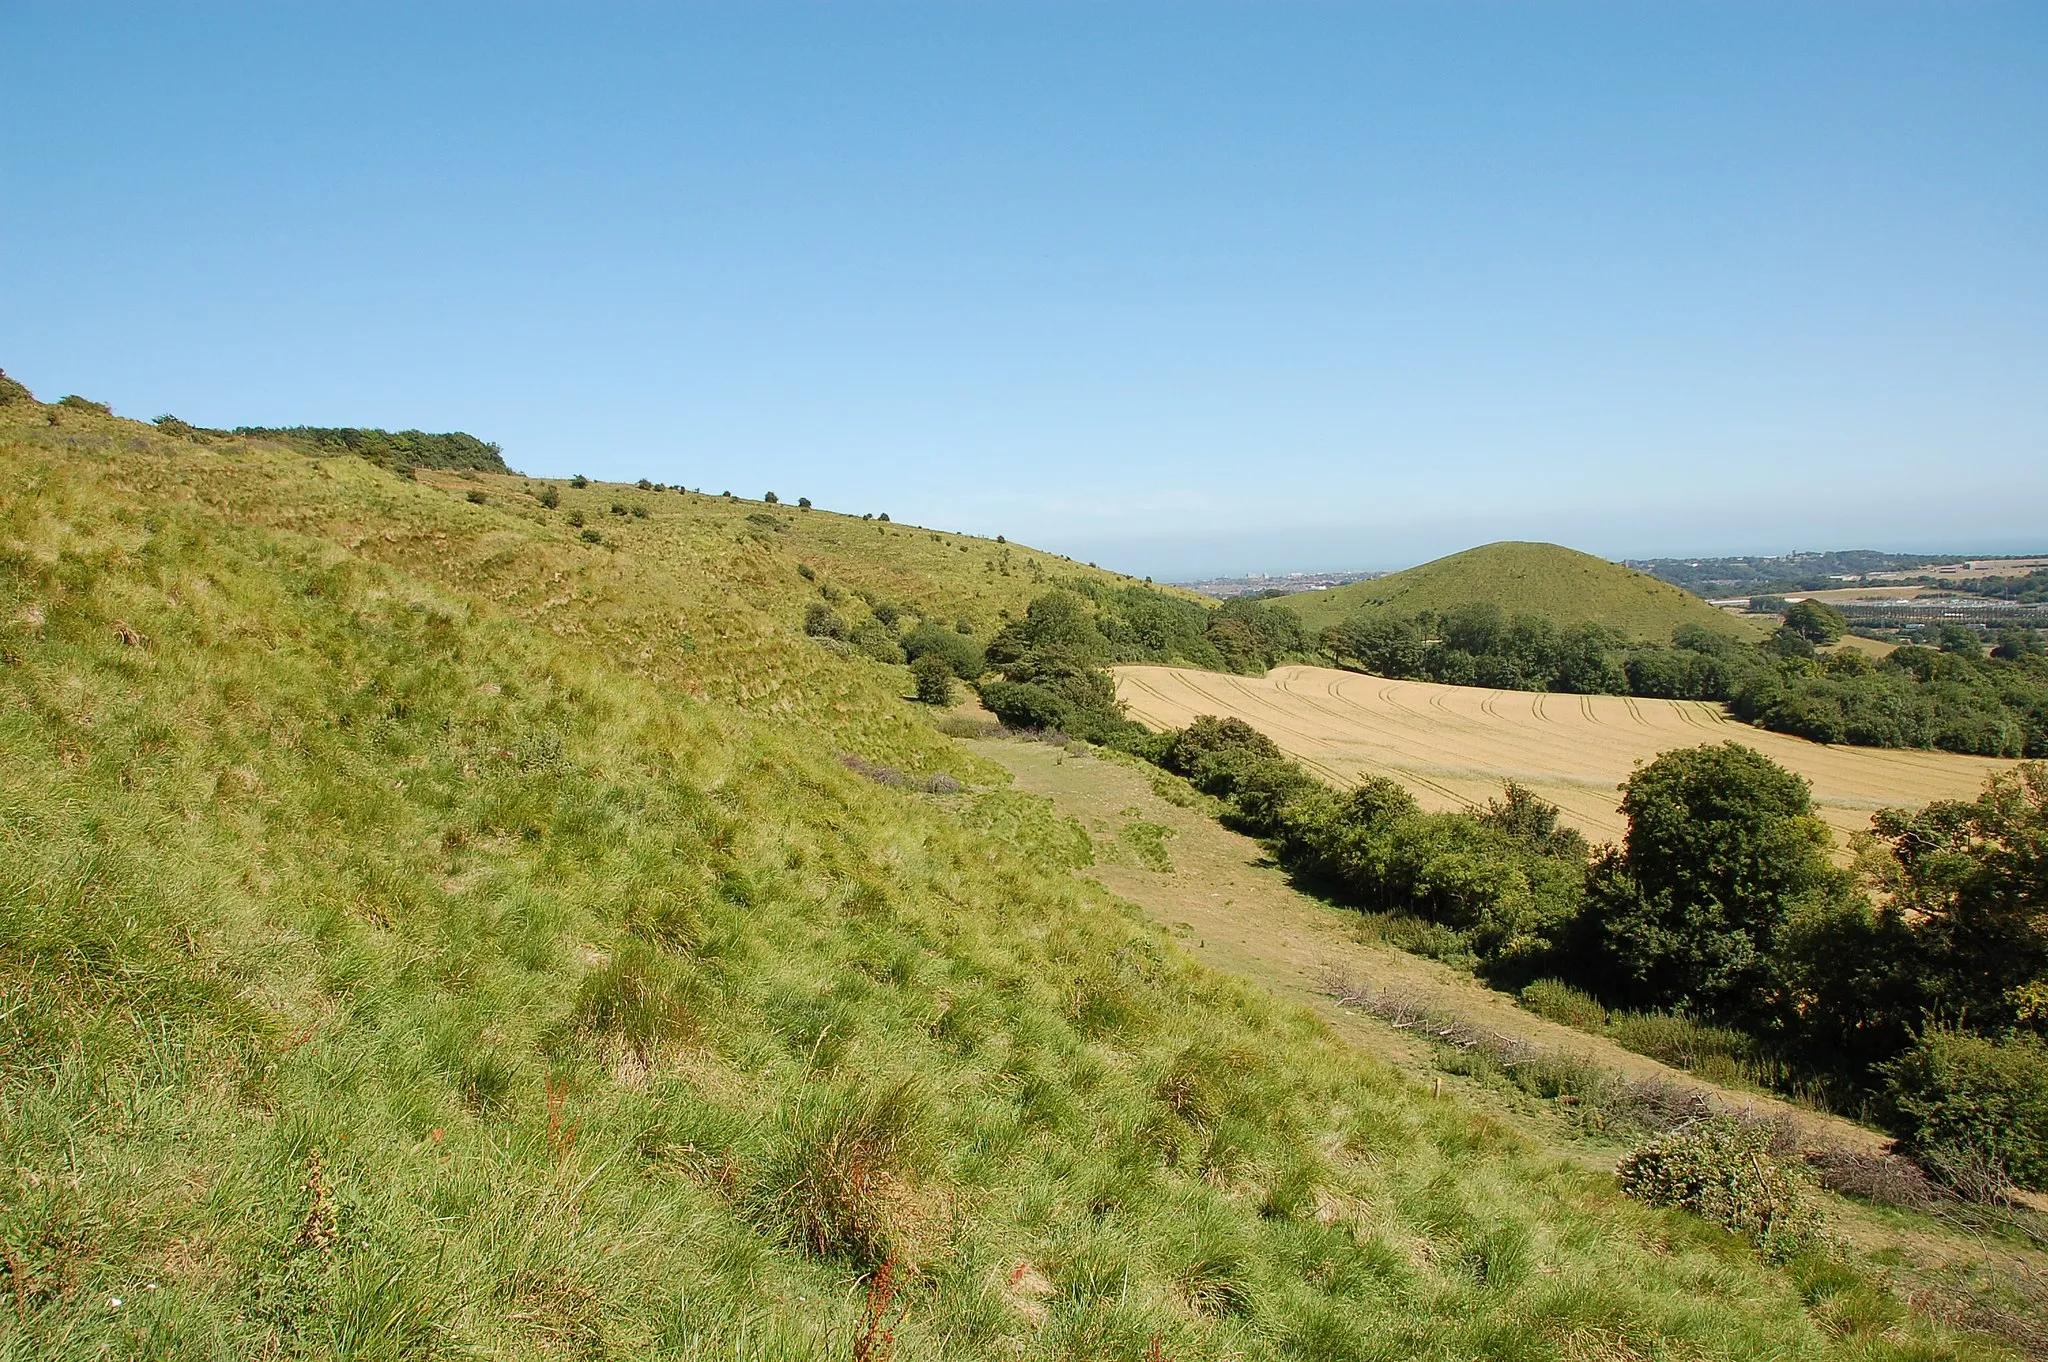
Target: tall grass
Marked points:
1718	1054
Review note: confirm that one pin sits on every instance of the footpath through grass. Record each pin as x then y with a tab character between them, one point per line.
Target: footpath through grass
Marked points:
424	934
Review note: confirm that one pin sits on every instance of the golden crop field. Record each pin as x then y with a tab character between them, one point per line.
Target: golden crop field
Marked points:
1453	746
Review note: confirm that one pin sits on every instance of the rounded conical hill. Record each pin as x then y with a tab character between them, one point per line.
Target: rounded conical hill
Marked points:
1559	584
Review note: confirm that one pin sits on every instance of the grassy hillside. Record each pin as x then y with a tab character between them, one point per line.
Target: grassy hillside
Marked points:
425	933
1559	584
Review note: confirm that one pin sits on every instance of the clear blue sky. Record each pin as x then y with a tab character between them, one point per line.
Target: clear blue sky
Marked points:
1180	288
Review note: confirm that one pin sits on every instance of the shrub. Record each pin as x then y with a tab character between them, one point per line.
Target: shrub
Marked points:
76	403
770	498
822	621
1972	1109
1558	1001
934	676
618	508
576	520
1024	704
1210	751
644	485
475	497
958	651
13	391
639	513
875	640
807	572
592	537
579	481
1722	1171
803	503
548	497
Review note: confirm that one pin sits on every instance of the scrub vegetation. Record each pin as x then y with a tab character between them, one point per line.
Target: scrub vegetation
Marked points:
1719	934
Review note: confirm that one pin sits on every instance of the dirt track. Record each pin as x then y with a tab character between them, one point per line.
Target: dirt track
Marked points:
1454	745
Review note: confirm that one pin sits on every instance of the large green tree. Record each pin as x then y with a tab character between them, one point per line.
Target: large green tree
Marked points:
1972	879
1722	846
1815	621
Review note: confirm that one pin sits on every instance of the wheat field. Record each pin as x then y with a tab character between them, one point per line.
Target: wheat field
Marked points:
1454	745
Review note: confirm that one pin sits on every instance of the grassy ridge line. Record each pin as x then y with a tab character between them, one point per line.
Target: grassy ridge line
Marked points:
697	592
710	613
623	1022
1562	585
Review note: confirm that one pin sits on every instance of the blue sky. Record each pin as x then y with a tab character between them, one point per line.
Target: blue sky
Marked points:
1177	288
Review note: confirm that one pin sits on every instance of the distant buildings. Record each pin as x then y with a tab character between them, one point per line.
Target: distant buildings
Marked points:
1224	588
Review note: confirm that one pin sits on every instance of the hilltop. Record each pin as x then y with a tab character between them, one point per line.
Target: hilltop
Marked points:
1561	585
438	919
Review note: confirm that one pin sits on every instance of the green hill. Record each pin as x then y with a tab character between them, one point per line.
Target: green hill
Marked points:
426	932
1559	584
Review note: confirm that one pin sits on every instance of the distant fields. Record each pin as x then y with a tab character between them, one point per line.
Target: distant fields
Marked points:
1453	746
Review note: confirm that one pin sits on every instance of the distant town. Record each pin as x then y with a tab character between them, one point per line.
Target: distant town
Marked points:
1227	588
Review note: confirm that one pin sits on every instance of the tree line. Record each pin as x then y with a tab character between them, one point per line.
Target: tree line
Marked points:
1049	666
1945	694
452	450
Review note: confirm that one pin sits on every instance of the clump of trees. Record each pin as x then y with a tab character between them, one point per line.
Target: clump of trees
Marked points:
1504	883
1050	664
1815	621
1048	668
1917	981
1948	696
1140	623
1478	645
1050	672
452	450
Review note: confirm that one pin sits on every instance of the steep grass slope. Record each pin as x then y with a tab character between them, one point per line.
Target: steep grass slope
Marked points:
1559	584
423	934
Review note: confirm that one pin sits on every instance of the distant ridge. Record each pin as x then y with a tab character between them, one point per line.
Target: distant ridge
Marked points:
1548	580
